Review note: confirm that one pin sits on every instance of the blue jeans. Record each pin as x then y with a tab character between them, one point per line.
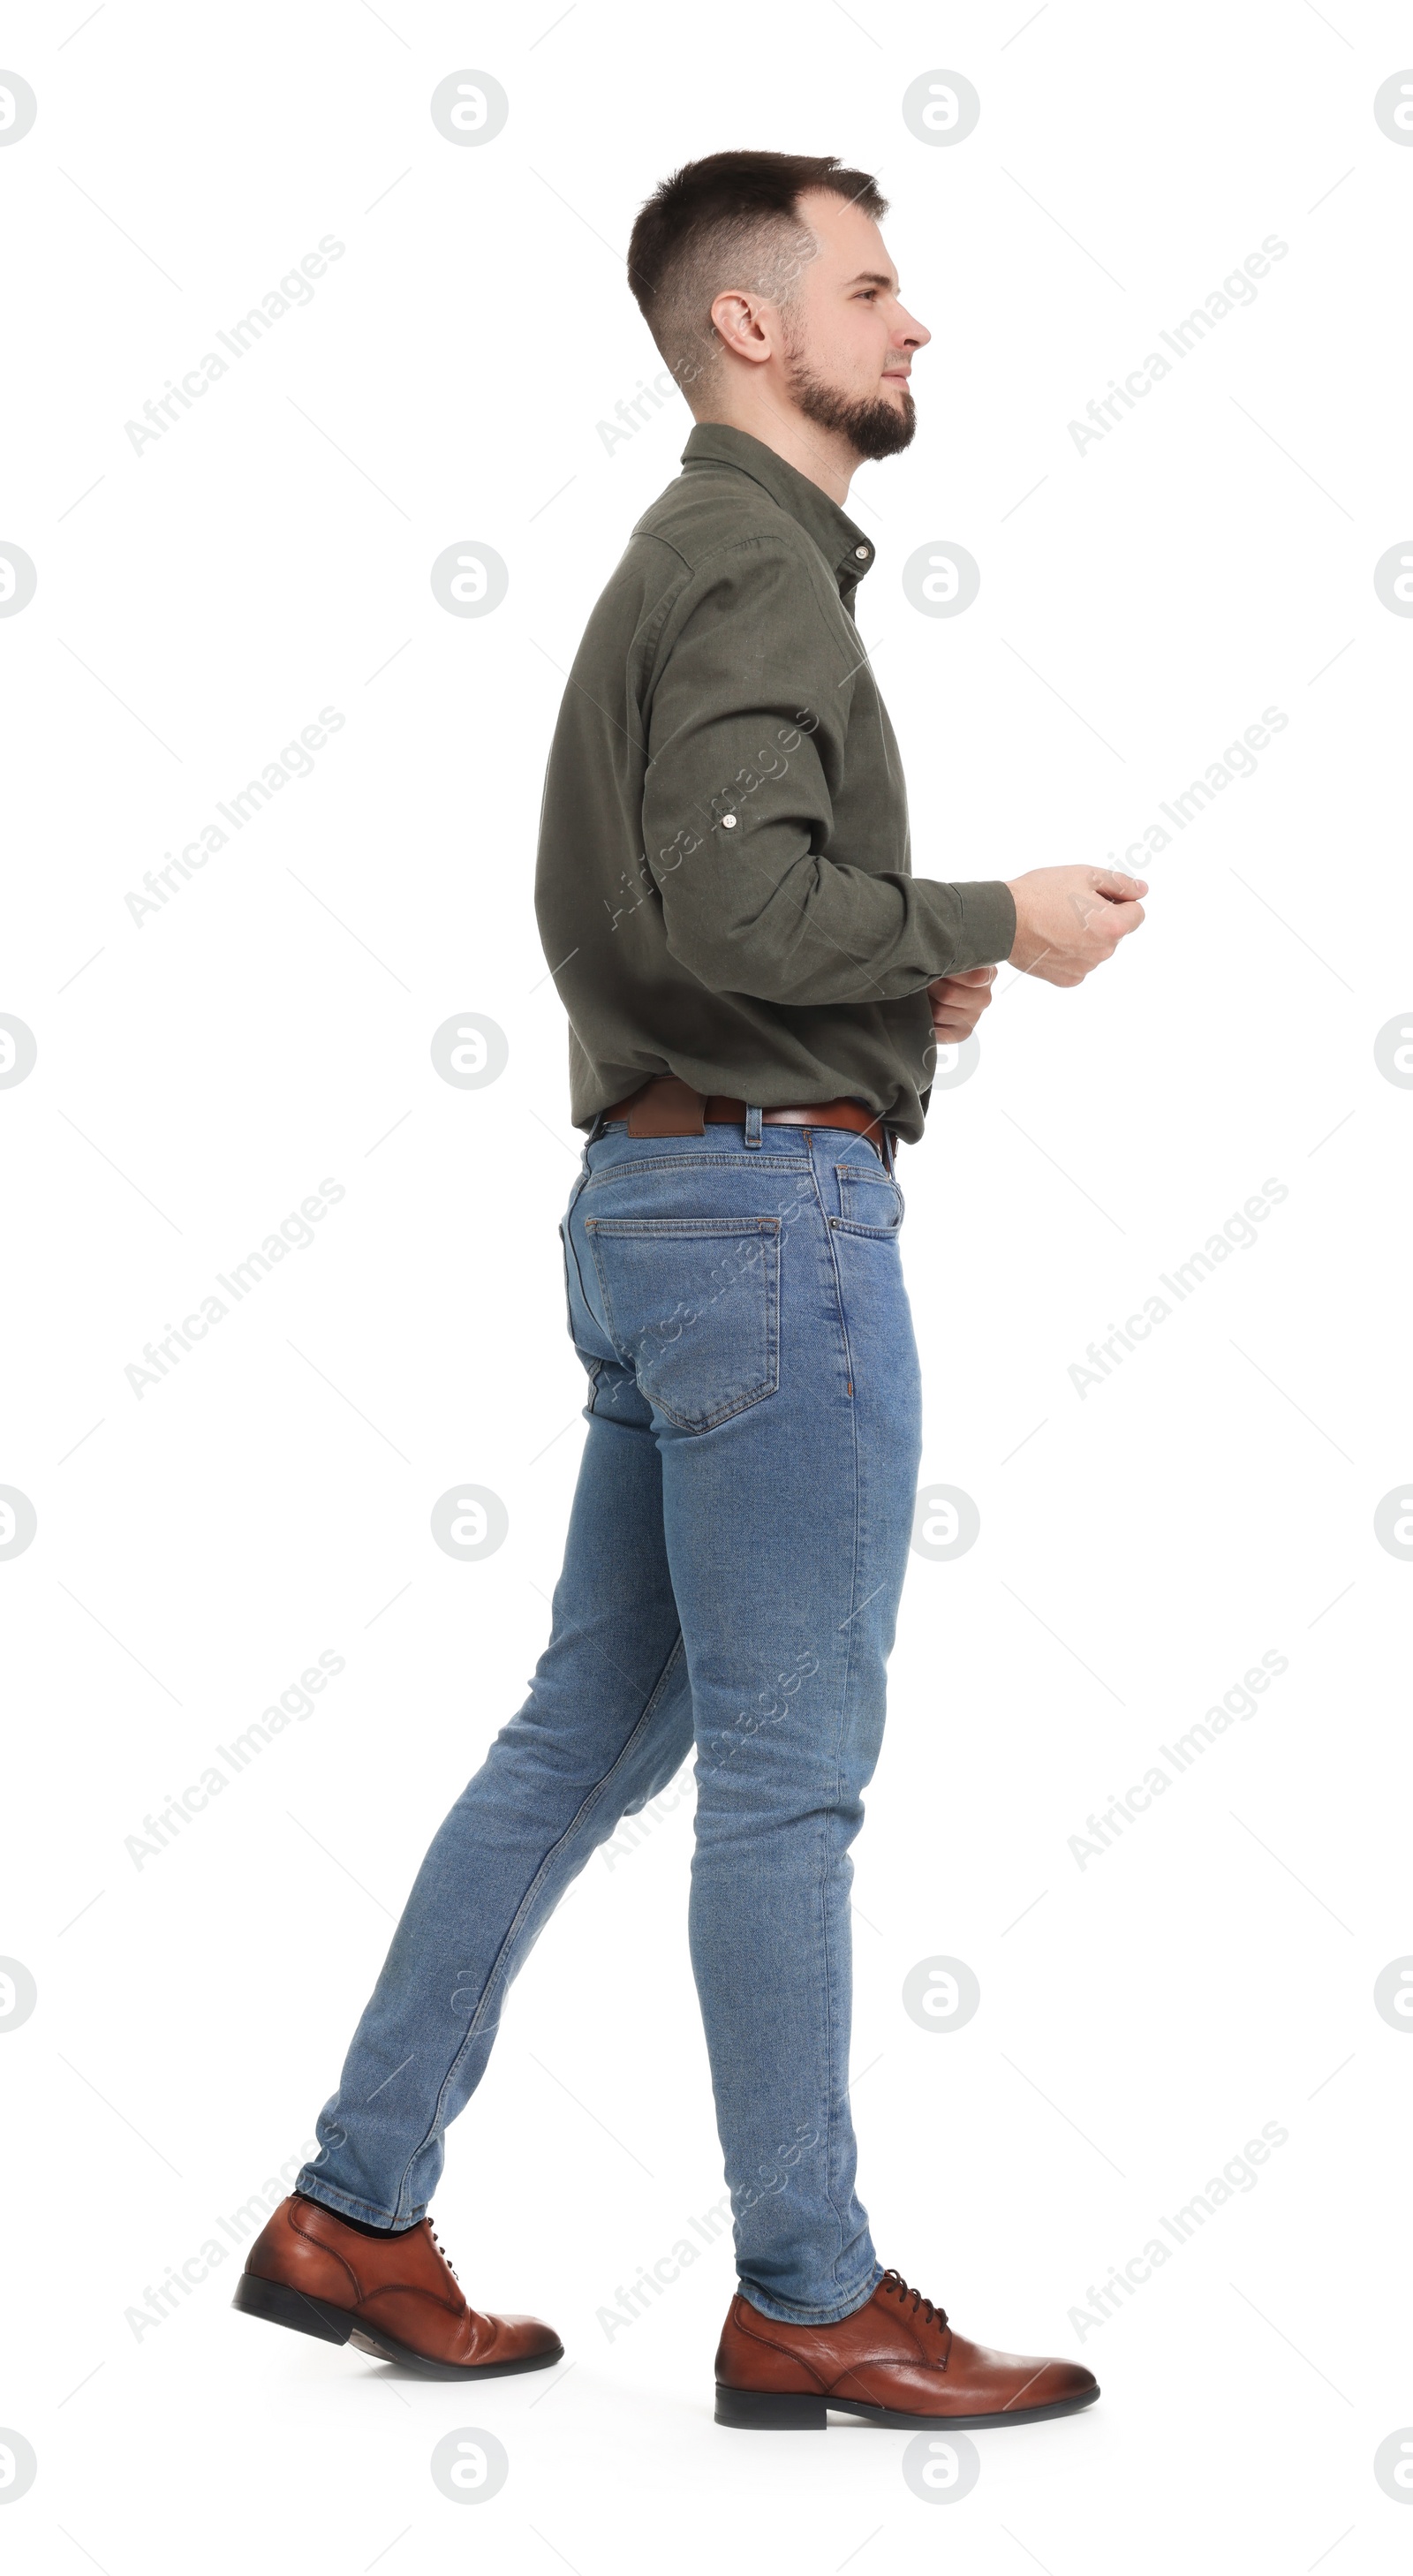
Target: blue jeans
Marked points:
736	1551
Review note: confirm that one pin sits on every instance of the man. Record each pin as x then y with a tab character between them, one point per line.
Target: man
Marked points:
756	985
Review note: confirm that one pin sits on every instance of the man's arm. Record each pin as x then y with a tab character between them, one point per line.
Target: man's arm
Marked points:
746	742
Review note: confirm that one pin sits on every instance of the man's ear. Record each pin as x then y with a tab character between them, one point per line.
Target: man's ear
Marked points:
743	325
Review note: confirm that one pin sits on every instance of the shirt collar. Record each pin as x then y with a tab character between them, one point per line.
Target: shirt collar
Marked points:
845	548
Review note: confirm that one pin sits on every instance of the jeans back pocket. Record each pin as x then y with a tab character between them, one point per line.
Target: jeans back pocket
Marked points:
869	1202
694	1304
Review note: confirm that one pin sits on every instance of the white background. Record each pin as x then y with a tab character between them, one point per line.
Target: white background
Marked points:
1141	603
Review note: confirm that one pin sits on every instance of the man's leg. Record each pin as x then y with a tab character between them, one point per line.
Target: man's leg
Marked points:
760	1295
606	1725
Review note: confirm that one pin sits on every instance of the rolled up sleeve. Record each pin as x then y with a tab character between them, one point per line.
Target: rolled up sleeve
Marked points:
747	739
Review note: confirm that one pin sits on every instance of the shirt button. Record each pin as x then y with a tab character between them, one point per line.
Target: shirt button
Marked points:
861	552
728	822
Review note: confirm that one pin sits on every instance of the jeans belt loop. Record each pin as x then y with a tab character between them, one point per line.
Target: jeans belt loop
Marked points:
752	1125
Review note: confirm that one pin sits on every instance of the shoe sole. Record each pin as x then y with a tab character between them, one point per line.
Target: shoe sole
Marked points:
758	2411
280	2305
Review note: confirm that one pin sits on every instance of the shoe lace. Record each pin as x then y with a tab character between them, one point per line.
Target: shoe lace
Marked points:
896	2287
441	2249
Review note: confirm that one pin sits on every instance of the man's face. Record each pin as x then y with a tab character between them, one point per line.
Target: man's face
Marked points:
849	342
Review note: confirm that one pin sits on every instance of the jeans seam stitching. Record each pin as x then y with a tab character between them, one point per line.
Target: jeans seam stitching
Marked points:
574	1197
356	2208
816	2316
490	1987
831	2071
690	1163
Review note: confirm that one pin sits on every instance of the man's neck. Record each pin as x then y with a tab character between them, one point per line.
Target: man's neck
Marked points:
823	456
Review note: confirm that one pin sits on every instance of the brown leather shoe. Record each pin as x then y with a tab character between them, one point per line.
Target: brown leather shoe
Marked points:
894	2361
393	2296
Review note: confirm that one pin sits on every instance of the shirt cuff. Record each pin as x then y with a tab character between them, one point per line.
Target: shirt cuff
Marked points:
987	931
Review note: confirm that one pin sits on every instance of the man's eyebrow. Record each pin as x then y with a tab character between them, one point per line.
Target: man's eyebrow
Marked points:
872	277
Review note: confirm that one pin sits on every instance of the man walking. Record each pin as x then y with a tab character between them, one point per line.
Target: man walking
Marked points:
756	986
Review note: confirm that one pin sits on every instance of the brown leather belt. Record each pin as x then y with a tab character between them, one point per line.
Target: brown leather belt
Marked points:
665	1106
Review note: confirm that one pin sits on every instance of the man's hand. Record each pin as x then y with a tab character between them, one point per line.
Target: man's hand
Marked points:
958	1002
1069	920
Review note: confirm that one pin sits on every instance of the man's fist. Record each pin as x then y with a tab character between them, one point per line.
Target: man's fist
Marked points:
958	1002
1069	920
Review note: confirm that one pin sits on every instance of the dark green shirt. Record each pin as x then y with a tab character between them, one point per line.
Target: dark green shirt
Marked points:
724	889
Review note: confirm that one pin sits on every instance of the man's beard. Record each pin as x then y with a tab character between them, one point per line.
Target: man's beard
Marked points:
873	429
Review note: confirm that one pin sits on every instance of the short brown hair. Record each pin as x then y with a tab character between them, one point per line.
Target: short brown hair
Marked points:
730	220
